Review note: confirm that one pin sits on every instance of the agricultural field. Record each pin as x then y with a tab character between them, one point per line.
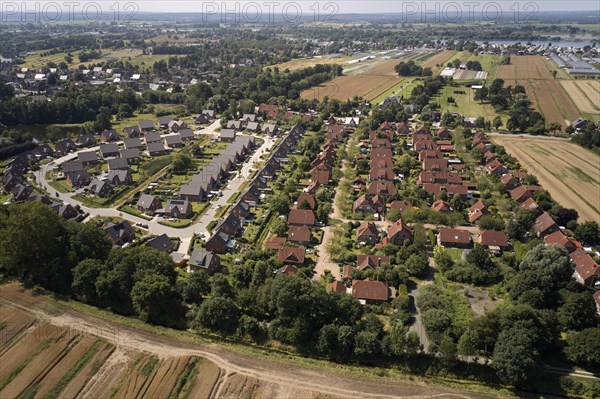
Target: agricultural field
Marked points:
440	59
42	360
301	63
134	56
569	172
546	93
50	351
368	82
585	94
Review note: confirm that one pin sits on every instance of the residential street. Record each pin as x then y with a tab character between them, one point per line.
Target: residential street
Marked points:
184	234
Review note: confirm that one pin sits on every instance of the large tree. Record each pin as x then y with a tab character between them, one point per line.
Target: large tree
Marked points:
157	301
516	358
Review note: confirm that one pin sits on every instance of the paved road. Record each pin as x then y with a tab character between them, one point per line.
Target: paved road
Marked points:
184	234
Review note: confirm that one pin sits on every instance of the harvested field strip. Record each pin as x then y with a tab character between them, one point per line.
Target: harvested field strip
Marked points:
14	323
207	375
238	386
573	181
440	59
593	85
134	383
20	354
582	95
75	386
109	377
58	378
166	377
39	367
185	378
379	90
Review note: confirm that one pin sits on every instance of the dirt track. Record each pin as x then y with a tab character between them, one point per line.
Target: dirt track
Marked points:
278	379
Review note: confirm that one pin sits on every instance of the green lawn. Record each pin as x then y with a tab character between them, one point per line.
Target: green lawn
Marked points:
60	185
455	253
398	89
177	223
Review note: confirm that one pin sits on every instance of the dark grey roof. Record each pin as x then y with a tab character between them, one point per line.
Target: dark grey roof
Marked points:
133	143
129	153
120	174
146	124
227	133
109	148
162	243
145	201
182	205
72	166
201	258
88	156
117	163
186	133
117	231
173	139
152	137
154	147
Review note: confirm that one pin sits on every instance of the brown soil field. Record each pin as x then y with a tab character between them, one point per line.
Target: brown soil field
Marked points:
138	357
207	375
13	324
77	384
547	95
585	96
569	172
61	368
39	366
302	63
593	85
439	59
345	87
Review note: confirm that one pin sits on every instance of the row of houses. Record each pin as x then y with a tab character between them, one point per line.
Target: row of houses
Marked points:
212	175
222	239
587	271
301	218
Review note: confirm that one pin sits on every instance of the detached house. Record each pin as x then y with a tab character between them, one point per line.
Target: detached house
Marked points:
148	204
203	260
371	261
545	225
399	233
161	243
179	209
587	271
291	255
119	233
454	238
367	233
299	235
370	292
301	217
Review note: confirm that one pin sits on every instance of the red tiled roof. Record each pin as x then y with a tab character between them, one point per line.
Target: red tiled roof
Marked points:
370	290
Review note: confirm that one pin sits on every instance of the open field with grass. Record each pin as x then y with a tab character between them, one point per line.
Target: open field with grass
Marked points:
569	172
545	92
134	56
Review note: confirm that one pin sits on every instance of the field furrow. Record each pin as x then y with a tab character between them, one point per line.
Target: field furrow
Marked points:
569	172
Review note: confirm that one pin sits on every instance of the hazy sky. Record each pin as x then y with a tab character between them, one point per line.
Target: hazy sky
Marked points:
376	6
